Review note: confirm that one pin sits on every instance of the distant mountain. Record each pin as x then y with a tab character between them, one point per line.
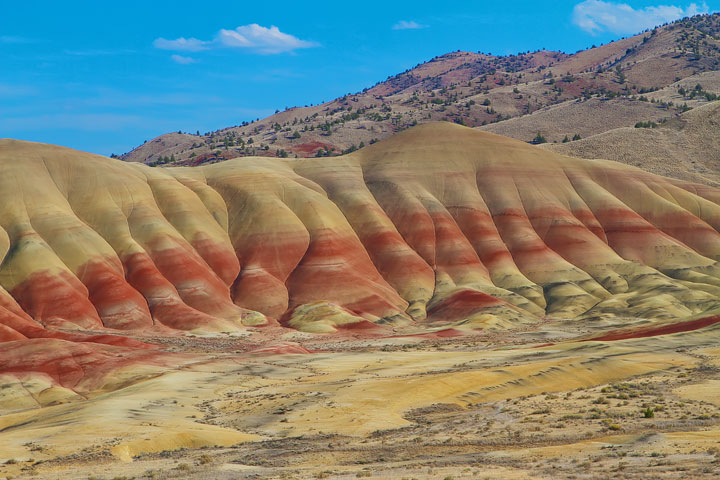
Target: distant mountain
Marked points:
650	77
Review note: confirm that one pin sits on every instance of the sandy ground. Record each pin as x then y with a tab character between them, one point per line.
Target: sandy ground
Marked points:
472	406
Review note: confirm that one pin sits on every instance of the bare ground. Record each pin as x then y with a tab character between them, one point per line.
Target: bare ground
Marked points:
496	405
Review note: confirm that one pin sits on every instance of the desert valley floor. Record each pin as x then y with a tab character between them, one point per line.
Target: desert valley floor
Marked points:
480	406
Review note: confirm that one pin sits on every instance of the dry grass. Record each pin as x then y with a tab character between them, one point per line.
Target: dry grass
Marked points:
687	147
586	118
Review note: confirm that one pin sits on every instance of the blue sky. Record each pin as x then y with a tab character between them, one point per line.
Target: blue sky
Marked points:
105	76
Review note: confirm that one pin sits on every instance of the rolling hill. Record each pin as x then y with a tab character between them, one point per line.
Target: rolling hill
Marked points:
437	225
635	79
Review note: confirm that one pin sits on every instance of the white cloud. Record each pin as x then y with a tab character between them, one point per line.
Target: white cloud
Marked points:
408	25
182	60
182	44
595	16
261	39
253	37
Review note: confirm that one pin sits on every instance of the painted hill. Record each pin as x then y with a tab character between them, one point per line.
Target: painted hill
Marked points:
646	77
437	225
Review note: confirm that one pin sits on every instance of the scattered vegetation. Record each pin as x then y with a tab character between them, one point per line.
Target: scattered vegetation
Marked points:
539	138
472	90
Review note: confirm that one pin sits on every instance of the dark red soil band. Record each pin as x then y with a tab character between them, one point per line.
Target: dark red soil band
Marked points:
659	330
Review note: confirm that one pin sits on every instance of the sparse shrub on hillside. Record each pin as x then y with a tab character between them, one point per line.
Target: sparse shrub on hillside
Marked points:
324	151
697	92
350	149
648	124
539	138
620	75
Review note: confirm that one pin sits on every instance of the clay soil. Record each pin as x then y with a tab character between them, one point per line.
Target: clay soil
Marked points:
532	403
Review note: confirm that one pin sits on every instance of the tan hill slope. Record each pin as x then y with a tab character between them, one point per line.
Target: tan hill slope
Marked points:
586	117
479	89
686	147
562	122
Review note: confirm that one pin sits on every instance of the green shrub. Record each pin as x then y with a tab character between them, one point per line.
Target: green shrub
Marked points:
539	138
